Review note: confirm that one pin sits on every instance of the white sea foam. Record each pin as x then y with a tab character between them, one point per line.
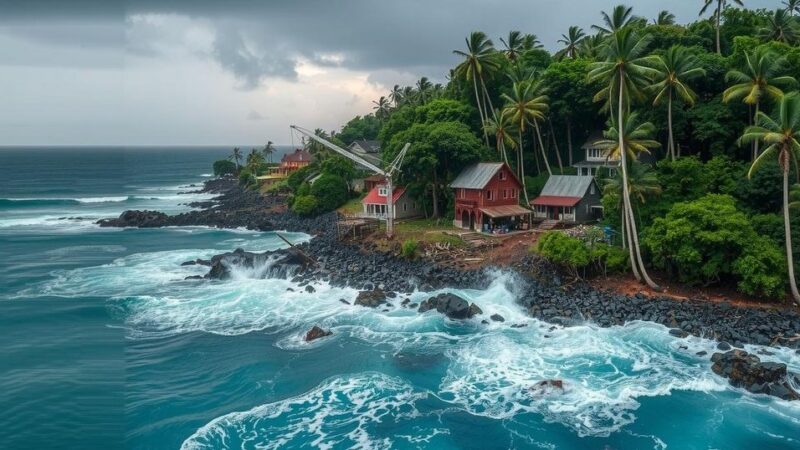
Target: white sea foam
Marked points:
342	412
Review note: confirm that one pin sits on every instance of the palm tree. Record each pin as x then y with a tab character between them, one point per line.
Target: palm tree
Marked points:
626	70
523	107
236	156
664	18
382	108
530	41
571	40
396	95
424	87
591	46
513	46
757	80
781	27
479	58
620	16
501	128
254	161
792	6
782	137
268	151
408	95
642	183
721	5
675	68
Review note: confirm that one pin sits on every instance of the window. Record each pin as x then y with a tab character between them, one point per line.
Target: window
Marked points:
591	189
462	193
505	194
382	191
502	174
405	206
513	193
488	195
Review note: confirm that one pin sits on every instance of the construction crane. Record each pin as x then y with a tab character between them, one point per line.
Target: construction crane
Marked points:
393	169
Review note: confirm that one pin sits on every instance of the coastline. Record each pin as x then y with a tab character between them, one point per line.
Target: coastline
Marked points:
539	284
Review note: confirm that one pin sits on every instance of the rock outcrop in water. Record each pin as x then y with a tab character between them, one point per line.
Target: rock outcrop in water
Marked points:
316	332
451	306
278	264
745	370
371	299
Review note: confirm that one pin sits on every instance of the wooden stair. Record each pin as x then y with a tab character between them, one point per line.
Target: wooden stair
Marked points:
548	224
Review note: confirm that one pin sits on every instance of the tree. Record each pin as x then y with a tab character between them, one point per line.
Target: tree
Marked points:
591	46
500	126
479	59
620	17
782	137
396	95
571	42
674	69
224	167
331	192
381	108
664	18
513	46
269	151
424	88
792	6
255	160
236	156
626	71
757	79
721	5
781	27
523	107
642	183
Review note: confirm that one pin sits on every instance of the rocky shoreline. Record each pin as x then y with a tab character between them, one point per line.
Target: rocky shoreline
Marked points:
537	284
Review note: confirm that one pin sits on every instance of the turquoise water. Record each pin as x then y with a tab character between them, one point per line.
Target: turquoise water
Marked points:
104	345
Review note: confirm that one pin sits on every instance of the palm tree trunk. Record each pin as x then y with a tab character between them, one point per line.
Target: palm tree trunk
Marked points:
541	145
623	226
671	139
522	171
489	99
555	145
503	151
480	111
634	266
634	238
435	195
569	141
788	233
719	11
755	144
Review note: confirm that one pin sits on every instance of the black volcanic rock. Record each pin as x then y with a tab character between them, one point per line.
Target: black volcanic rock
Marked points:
745	370
316	332
451	306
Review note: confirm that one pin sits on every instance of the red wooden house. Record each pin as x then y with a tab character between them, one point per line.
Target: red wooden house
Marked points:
487	199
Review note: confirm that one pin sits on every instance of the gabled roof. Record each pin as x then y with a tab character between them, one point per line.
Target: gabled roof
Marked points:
595	136
298	156
373	198
477	176
368	146
567	186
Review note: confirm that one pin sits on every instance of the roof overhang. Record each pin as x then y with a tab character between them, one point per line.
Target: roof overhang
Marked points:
505	211
552	200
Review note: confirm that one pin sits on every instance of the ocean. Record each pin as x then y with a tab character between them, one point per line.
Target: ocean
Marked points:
105	345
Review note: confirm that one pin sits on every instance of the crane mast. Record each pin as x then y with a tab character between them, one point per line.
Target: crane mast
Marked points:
394	167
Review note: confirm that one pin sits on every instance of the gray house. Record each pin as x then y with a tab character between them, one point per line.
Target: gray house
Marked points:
369	150
569	199
596	157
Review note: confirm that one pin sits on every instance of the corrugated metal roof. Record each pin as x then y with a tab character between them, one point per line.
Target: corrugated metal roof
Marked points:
592	139
505	211
567	186
476	176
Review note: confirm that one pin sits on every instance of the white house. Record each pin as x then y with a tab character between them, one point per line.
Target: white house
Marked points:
375	204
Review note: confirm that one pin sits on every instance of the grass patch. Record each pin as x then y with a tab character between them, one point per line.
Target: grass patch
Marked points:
353	206
428	231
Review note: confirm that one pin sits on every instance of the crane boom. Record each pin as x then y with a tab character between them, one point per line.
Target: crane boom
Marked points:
394	167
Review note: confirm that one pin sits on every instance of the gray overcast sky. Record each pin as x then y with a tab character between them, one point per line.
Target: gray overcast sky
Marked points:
149	72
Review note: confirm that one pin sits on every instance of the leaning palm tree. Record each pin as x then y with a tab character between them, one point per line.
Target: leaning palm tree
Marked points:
479	59
664	18
236	156
758	79
792	6
620	16
625	70
571	40
513	46
675	68
382	108
721	5
781	27
642	183
782	137
522	108
500	126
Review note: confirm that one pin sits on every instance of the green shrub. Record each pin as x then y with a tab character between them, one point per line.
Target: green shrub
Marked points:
247	179
608	258
564	250
304	189
331	192
409	248
224	167
536	184
280	186
296	178
305	205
